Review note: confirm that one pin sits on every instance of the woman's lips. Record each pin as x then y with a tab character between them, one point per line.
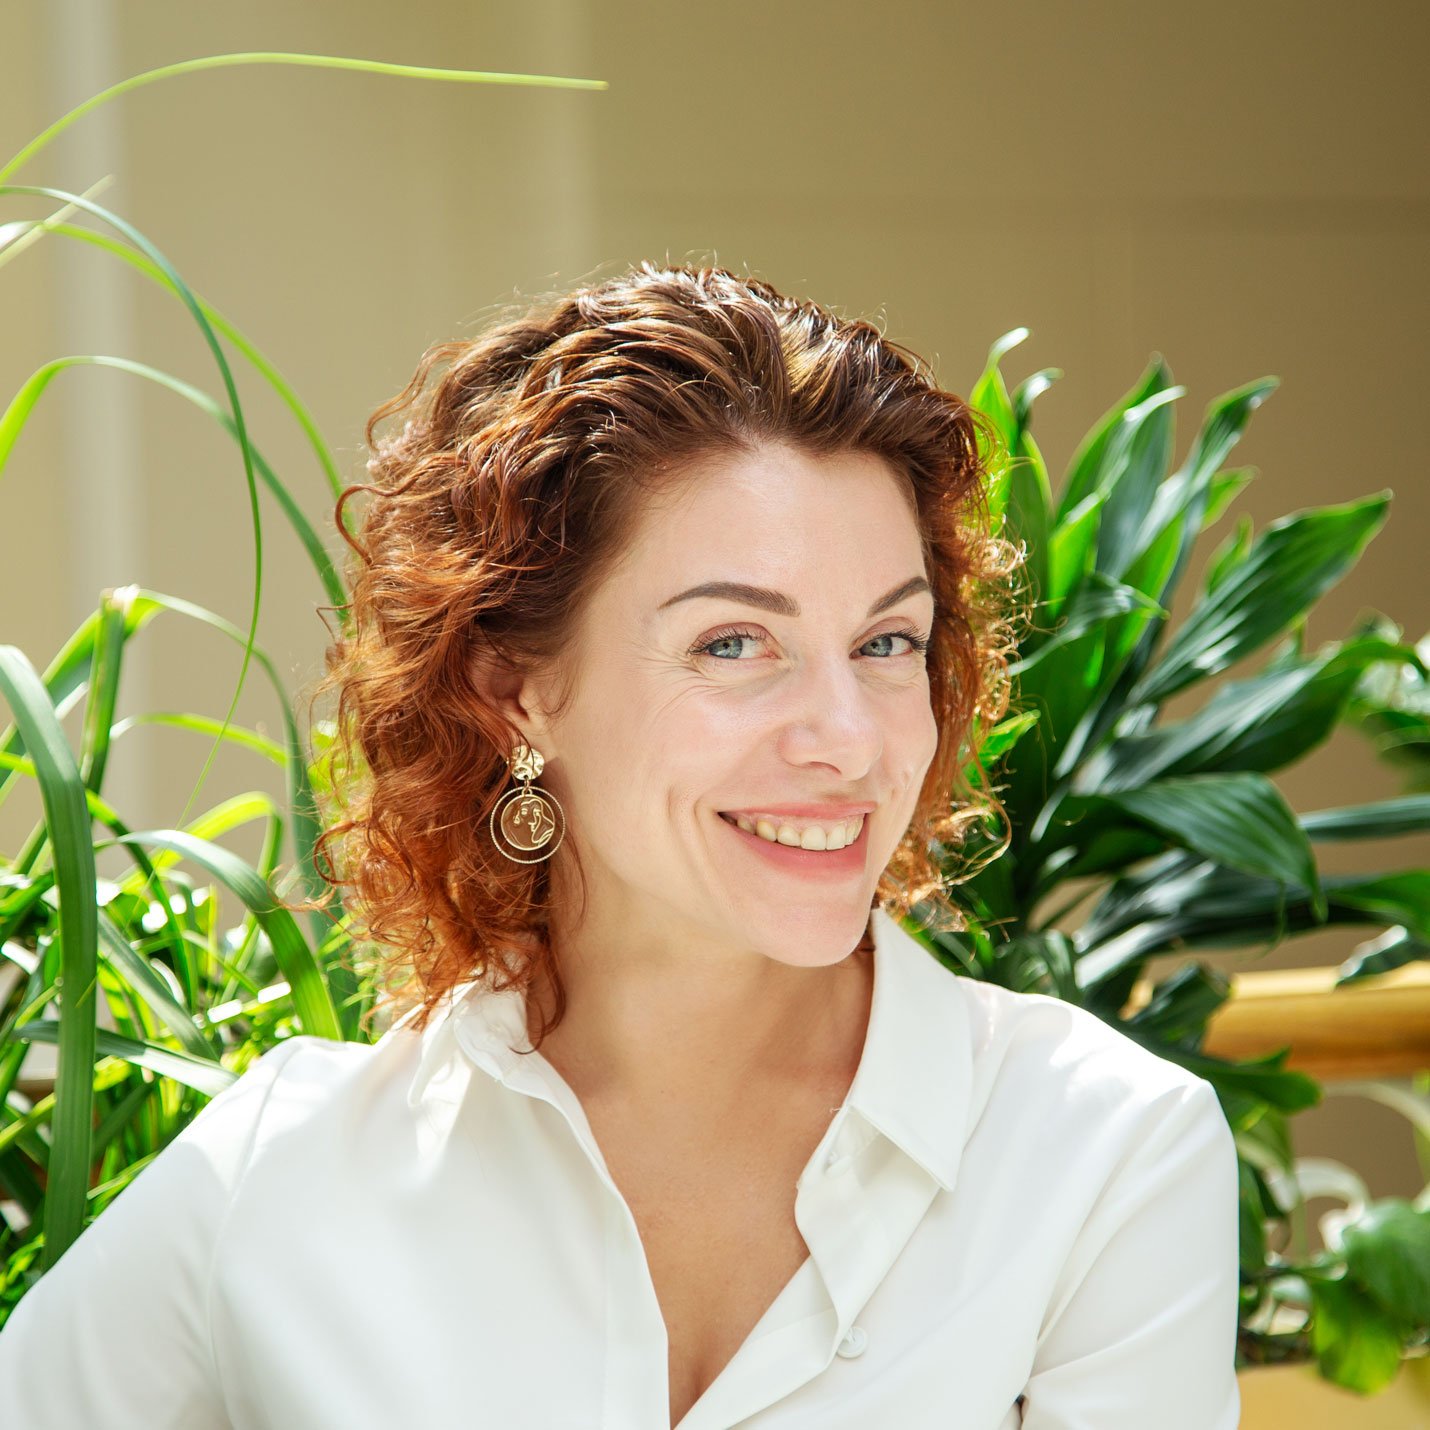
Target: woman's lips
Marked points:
810	863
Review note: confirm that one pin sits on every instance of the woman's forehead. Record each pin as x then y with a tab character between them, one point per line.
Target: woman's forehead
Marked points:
772	505
855	541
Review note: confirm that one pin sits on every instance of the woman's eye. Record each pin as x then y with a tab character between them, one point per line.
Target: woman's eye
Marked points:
915	642
727	640
730	639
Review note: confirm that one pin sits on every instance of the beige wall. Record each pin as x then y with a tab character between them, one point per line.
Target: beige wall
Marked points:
1239	187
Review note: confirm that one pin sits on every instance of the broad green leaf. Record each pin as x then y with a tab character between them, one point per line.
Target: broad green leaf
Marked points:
1156	526
1028	391
1030	499
1261	723
1405	814
1193	496
1391	706
1070	553
1251	1231
1269	1139
1239	819
1091	849
1394	948
1289	567
1091	606
1039	963
1230	554
1005	735
1088	470
990	397
1162	549
1028	513
1179	902
1265	1080
1181	1004
1136	462
990	393
1387	1253
1357	1344
1402	896
1225	488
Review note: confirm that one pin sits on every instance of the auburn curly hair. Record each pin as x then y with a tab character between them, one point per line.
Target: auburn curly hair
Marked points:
500	505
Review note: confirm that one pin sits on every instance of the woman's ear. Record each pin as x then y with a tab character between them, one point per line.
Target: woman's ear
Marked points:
513	694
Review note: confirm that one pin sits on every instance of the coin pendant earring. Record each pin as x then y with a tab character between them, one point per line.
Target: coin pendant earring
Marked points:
527	819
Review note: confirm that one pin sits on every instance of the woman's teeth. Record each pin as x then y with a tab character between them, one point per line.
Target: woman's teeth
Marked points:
803	834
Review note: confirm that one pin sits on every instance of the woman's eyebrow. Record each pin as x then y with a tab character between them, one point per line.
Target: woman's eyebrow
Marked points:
781	604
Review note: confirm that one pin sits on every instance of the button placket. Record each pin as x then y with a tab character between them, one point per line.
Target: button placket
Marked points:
845	1146
856	1221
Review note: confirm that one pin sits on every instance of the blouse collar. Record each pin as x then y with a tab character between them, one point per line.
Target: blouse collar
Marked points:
913	1084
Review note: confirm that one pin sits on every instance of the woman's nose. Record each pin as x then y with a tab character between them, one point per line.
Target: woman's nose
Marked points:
836	719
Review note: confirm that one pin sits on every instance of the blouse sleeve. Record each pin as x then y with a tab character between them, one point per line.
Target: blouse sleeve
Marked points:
115	1336
1142	1325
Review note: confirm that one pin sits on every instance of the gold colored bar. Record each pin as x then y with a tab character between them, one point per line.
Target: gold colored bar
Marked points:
1379	1028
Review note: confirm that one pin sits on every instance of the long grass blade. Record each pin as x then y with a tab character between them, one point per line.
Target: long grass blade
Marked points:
23	404
282	57
236	337
182	288
63	791
312	1001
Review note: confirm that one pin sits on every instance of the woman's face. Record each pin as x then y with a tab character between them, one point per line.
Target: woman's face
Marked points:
804	696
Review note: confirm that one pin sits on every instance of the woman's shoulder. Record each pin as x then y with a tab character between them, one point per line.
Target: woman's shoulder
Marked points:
306	1060
1061	1097
294	1069
305	1077
1053	1053
289	1098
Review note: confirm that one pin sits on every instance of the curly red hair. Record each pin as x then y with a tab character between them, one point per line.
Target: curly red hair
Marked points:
503	502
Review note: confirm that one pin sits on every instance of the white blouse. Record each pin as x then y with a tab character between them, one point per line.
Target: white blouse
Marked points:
1018	1217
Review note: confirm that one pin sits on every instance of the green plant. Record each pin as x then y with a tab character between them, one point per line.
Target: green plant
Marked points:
1175	826
1175	829
191	1004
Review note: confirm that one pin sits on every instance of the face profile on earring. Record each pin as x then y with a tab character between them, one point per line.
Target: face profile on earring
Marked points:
525	819
527	822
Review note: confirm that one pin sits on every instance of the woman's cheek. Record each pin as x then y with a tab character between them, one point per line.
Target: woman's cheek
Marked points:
921	745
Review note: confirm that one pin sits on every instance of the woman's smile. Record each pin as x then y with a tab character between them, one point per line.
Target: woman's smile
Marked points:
807	863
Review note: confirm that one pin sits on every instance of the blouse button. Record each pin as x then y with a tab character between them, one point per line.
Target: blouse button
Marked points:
853	1344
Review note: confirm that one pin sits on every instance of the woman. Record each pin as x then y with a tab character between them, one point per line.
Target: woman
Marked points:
676	616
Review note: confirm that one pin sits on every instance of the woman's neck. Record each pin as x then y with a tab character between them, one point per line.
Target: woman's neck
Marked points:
672	1032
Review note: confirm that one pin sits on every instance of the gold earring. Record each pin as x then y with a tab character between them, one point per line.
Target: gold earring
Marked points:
528	817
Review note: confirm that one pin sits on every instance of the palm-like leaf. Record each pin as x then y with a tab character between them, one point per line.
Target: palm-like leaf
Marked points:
1172	830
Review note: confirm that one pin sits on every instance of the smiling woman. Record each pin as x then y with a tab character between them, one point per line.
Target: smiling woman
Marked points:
565	543
677	1123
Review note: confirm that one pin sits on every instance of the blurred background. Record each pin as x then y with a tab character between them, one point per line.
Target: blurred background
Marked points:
1241	188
